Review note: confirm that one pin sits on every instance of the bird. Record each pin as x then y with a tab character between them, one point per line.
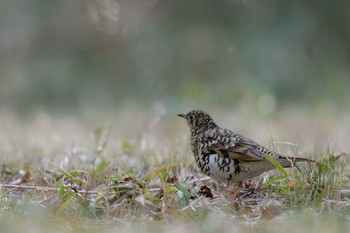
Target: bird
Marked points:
228	156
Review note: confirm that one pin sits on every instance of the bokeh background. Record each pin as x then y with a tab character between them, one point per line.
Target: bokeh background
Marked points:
272	69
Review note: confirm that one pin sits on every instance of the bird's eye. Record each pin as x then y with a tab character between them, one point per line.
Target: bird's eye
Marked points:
191	117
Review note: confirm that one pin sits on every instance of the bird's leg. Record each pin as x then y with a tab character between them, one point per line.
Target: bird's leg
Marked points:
228	184
236	191
233	193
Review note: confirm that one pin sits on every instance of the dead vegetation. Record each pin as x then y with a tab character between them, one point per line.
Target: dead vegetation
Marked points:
141	185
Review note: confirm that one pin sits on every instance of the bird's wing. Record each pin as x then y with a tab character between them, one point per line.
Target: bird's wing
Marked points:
227	144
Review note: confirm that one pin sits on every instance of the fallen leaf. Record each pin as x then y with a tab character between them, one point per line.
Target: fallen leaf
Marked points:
292	182
206	191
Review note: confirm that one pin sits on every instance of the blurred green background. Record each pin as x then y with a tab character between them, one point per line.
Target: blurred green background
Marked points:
105	54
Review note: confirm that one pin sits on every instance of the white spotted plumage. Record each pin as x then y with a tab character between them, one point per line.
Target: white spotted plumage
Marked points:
227	156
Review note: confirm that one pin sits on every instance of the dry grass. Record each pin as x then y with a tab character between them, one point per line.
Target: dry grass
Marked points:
147	183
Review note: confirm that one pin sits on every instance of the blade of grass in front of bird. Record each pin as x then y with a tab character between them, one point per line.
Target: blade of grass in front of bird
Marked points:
271	180
277	165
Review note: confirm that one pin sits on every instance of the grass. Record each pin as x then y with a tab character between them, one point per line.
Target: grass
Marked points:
141	187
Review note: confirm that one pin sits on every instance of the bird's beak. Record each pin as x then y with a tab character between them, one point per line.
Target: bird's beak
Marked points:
182	115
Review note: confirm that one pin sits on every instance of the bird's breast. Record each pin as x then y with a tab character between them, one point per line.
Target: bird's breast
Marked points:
222	169
217	167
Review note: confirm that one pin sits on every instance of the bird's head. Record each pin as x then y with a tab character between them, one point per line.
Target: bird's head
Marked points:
198	121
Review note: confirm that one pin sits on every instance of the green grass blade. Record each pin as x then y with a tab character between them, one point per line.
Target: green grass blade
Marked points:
271	180
277	165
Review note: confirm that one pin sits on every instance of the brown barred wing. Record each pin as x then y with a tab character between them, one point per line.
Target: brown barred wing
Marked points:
227	144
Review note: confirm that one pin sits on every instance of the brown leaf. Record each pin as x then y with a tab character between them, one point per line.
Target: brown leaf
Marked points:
292	182
269	211
172	179
26	178
205	191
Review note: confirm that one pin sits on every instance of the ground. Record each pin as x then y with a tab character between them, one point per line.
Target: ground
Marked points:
73	174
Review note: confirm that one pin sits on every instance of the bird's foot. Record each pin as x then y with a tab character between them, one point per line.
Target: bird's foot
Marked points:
233	193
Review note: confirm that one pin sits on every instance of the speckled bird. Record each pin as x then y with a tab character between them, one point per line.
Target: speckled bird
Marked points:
227	156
